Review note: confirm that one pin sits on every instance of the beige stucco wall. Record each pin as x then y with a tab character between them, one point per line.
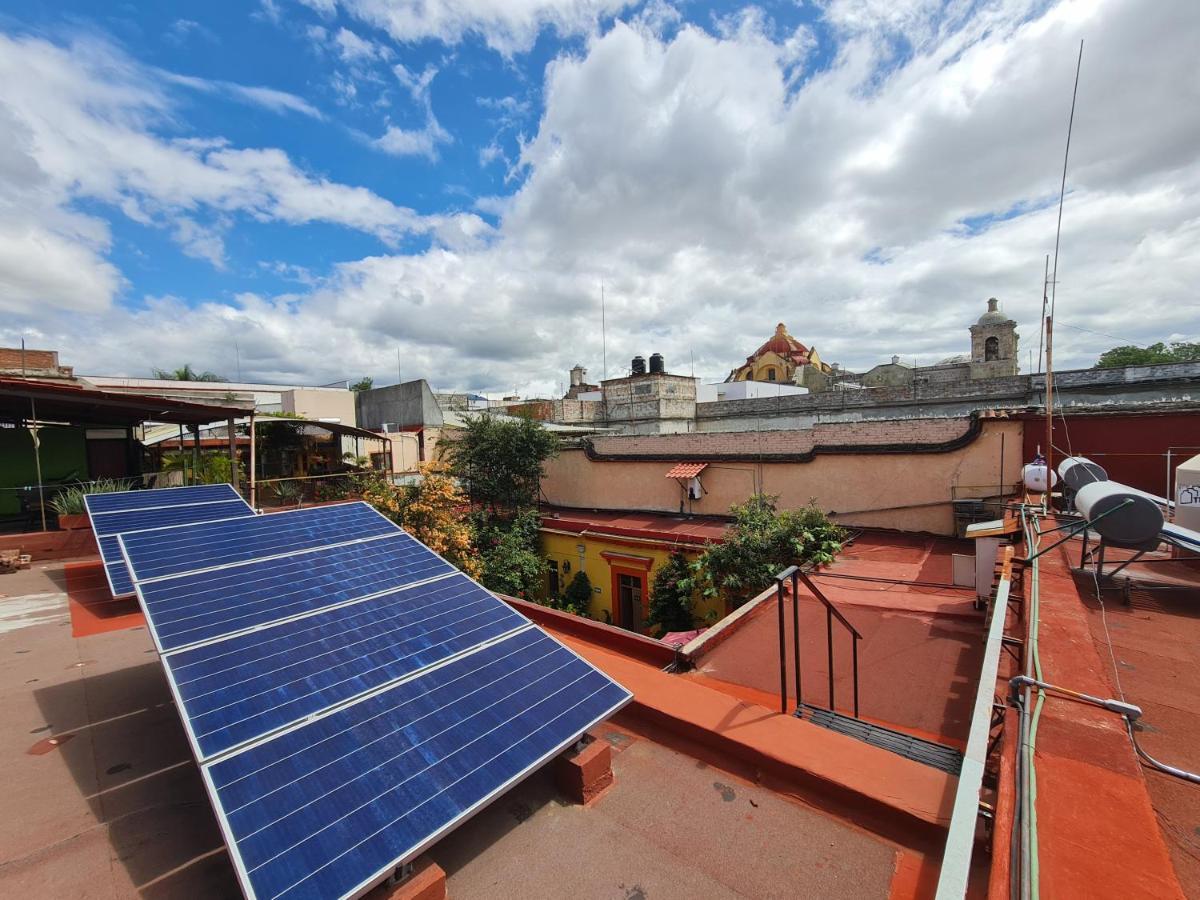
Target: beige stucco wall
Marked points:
323	404
910	492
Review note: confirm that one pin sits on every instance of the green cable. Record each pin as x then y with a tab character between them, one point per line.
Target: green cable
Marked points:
1034	623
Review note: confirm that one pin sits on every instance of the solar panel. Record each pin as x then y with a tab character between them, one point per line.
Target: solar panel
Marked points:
128	511
353	700
223	544
158	497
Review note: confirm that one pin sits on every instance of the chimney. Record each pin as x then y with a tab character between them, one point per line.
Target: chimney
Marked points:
895	360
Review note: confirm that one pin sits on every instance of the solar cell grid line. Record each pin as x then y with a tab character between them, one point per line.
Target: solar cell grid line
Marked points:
128	520
274	534
320	661
158	497
107	527
333	804
197	607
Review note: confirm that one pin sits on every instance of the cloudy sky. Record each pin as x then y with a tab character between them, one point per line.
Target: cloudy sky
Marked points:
307	190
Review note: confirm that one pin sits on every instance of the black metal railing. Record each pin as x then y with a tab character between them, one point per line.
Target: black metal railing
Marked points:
797	575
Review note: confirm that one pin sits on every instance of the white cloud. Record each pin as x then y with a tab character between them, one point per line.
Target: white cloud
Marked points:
508	26
81	124
355	49
717	193
275	101
421	141
199	241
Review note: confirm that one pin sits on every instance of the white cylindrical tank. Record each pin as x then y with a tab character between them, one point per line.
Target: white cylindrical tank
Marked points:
1034	476
1135	524
1076	471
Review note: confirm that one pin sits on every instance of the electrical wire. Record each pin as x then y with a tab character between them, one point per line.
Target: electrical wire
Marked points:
1146	757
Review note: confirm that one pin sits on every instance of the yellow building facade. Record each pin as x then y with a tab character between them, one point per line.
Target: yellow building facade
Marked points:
620	566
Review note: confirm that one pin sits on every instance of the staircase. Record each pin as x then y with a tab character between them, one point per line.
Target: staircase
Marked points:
930	753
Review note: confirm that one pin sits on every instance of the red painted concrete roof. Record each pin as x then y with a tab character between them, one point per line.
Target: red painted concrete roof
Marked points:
654	526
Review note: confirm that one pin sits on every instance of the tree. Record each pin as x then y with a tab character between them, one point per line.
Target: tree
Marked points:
363	384
577	598
433	511
673	595
760	543
509	551
187	373
499	461
1128	355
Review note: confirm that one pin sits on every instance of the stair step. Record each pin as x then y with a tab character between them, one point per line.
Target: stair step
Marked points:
930	753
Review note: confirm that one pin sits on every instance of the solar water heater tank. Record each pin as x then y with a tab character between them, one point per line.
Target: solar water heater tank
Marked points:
1130	519
1076	471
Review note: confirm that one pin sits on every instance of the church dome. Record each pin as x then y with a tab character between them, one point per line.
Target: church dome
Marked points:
993	316
783	344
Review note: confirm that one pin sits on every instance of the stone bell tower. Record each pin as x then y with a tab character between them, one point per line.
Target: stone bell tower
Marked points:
994	344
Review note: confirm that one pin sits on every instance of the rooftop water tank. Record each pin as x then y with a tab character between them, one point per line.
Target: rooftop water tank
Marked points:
1034	477
638	366
1076	471
657	365
1134	521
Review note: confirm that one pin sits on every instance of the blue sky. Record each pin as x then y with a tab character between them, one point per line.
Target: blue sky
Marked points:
330	181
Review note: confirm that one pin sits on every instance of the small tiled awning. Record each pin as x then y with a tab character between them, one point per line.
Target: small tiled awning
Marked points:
687	470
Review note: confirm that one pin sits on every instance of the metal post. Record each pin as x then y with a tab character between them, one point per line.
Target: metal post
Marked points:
233	459
253	471
195	454
829	639
782	651
796	634
37	449
854	651
182	463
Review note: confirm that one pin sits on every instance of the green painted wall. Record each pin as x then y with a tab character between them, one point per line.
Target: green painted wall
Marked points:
64	457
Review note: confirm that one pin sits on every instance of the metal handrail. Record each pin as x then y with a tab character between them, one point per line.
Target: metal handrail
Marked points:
796	574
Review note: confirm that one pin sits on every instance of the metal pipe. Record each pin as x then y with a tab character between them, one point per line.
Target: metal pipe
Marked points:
796	634
782	650
253	471
829	642
233	460
854	657
37	448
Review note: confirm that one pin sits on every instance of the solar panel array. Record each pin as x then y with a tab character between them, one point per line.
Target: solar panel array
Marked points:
128	511
350	695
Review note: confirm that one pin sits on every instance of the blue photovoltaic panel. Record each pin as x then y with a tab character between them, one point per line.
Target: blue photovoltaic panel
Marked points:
200	606
114	514
112	523
244	687
328	808
349	695
122	500
227	543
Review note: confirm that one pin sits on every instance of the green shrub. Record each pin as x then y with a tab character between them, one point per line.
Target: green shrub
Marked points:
577	598
673	595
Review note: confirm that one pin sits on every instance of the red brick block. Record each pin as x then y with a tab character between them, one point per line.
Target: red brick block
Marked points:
583	775
427	882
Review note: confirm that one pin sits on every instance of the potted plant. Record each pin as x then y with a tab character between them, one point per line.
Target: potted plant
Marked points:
69	504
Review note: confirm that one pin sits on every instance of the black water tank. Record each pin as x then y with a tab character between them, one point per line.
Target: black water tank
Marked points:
638	366
657	366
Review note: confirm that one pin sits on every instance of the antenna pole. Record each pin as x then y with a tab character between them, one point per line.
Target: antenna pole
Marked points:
1062	194
399	377
1045	301
603	333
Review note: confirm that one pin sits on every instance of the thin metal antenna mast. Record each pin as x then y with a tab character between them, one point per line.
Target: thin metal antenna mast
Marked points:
603	333
399	376
1045	303
1063	189
1053	291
